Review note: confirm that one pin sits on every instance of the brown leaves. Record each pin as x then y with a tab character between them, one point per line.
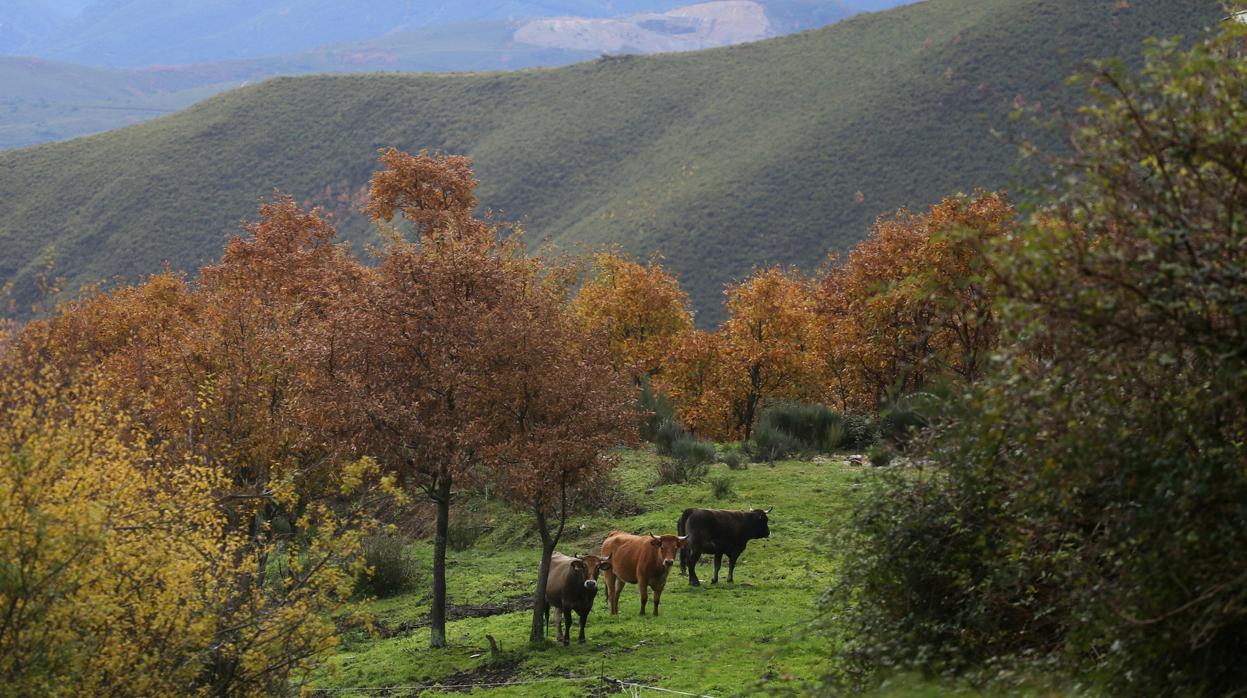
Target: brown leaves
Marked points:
911	301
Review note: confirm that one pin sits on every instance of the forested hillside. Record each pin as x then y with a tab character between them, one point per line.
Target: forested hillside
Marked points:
721	159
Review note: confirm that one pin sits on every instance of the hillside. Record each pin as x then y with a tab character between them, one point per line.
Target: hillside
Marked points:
44	98
725	158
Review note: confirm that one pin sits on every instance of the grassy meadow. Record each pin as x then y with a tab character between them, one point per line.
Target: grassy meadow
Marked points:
718	639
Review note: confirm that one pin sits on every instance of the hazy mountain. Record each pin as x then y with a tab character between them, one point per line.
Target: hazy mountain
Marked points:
772	151
52	101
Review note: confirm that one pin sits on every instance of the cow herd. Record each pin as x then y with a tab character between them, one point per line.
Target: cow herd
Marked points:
646	561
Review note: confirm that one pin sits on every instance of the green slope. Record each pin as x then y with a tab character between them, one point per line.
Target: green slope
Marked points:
722	159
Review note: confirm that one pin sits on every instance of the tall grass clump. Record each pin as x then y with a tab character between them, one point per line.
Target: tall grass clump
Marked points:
789	428
721	487
689	460
392	570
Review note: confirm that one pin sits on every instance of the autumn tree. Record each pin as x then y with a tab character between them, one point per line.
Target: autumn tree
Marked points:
210	373
642	308
402	368
693	379
768	344
912	301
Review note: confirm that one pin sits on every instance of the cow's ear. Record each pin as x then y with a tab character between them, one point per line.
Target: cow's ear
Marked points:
655	541
604	565
578	565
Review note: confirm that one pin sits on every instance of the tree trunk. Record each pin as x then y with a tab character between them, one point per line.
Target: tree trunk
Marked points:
437	614
537	634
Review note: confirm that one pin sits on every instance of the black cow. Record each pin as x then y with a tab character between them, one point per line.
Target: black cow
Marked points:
720	532
572	585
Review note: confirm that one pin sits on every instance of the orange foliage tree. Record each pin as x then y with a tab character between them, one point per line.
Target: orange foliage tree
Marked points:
765	351
693	381
642	309
554	411
209	377
911	301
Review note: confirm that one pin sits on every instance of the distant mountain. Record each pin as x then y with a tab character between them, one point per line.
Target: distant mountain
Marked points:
765	152
47	99
26	25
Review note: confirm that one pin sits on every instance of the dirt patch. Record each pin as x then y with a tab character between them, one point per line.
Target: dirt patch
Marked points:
495	672
457	612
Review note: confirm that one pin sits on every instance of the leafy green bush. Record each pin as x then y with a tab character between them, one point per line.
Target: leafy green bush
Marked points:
393	570
880	456
771	443
668	433
1087	509
693	451
734	460
673	471
721	486
658	409
858	432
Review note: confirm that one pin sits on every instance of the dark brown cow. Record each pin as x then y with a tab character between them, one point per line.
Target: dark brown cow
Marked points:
720	532
641	560
571	586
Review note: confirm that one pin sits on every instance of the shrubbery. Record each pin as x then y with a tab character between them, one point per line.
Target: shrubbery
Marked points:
788	429
391	569
1086	505
721	487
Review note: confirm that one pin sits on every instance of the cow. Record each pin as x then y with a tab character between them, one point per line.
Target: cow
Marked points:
641	560
720	532
571	585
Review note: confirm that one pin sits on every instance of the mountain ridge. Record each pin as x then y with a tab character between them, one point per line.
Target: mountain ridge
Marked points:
771	152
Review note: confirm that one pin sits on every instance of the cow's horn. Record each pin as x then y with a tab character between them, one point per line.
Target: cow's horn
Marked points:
682	537
654	537
768	510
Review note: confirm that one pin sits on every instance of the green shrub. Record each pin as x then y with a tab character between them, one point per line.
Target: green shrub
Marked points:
462	533
658	408
668	433
734	460
880	456
721	486
858	432
1087	510
673	471
771	444
693	451
393	570
808	424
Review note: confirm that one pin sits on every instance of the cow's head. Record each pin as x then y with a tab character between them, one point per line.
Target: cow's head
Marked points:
668	547
589	566
759	524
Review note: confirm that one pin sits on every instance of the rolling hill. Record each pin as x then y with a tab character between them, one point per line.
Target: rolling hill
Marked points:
44	98
767	152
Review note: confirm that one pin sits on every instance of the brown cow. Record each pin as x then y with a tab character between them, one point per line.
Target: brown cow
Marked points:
641	560
572	585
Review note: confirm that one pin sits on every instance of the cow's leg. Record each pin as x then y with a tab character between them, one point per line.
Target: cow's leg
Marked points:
584	615
718	562
643	584
567	635
731	566
609	579
619	587
657	596
694	556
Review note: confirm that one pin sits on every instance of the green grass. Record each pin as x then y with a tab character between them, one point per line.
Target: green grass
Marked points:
717	639
722	159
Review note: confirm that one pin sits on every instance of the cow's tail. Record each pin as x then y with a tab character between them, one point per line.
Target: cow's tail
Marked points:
680	530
